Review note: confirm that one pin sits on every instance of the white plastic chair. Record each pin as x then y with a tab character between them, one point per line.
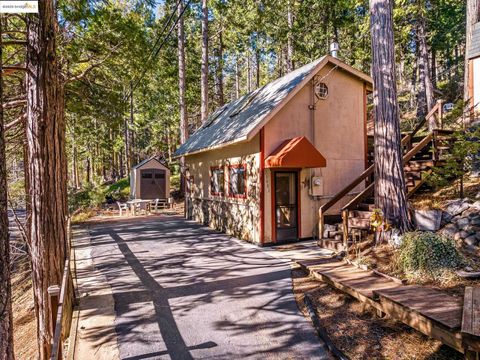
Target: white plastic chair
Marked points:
122	207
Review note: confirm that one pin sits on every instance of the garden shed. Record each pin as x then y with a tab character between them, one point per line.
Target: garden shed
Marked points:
150	179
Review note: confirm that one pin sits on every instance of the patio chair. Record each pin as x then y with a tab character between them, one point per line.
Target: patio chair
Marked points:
122	207
154	205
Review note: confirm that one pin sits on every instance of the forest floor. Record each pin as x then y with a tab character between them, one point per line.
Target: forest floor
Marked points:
24	325
358	332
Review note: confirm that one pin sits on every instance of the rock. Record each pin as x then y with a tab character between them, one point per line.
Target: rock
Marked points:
471	240
446	218
450	230
427	220
461	235
327	229
476	205
470	229
463	222
455	207
477	196
475	221
478	236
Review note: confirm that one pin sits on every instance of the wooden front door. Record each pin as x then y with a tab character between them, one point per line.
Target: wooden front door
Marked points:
286	205
152	184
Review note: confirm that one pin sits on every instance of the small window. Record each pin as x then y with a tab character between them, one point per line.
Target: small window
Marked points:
237	183
321	90
217	181
159	176
147	175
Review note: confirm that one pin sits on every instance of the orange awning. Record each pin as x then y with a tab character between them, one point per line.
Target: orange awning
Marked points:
295	153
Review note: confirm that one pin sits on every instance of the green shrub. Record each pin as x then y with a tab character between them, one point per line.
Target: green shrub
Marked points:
426	255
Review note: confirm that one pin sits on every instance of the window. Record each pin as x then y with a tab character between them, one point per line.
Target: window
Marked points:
321	90
217	181
159	176
147	175
237	181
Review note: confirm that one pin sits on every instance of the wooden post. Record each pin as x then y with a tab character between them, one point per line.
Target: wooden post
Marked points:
440	113
345	229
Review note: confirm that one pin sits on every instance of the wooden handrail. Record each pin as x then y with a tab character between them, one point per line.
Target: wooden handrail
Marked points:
367	172
405	159
57	337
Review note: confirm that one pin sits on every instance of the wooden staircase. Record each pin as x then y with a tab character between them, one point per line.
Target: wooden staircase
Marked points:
421	154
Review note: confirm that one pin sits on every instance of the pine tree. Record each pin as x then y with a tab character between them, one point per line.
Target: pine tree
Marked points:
390	193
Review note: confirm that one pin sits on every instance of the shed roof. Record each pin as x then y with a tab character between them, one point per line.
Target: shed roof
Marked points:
241	119
140	164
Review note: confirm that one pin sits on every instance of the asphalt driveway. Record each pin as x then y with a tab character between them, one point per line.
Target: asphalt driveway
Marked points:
183	291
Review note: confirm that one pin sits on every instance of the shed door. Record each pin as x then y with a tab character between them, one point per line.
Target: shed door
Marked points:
152	184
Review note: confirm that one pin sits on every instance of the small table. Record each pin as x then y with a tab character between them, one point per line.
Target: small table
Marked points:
143	204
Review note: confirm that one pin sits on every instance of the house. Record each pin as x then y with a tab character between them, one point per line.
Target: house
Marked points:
474	69
150	179
261	166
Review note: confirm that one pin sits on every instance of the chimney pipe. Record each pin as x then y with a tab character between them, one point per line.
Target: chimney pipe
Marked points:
334	47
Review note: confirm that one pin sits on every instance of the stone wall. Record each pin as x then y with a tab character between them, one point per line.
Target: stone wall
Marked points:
461	221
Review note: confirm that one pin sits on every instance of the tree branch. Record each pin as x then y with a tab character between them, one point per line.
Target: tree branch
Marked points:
14	103
18	120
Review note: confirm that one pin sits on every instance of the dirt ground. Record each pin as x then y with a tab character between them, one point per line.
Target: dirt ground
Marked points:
358	332
24	325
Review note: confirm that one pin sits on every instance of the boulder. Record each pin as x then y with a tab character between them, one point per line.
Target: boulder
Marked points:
471	240
427	220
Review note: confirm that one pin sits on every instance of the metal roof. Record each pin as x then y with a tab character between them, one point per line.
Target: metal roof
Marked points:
474	49
238	120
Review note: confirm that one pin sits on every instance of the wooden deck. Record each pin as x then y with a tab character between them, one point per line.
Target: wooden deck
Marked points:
432	312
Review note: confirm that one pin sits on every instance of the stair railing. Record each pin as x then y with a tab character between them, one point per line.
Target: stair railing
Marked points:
406	142
369	189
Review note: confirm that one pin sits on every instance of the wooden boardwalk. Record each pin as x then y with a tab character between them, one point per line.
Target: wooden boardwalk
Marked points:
432	312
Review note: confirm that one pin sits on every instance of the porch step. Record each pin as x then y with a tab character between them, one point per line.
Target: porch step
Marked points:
359	223
332	244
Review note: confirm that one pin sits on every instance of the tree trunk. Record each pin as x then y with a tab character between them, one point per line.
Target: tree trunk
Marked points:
473	7
237	79
6	319
204	75
290	65
181	90
424	76
131	140
47	165
390	194
219	72
249	72
433	67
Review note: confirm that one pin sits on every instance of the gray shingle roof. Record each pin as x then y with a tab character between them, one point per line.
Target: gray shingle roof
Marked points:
235	120
474	49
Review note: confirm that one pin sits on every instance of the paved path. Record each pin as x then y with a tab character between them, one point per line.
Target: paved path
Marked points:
183	291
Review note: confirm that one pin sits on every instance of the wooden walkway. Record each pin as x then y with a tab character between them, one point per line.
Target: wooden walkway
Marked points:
432	312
